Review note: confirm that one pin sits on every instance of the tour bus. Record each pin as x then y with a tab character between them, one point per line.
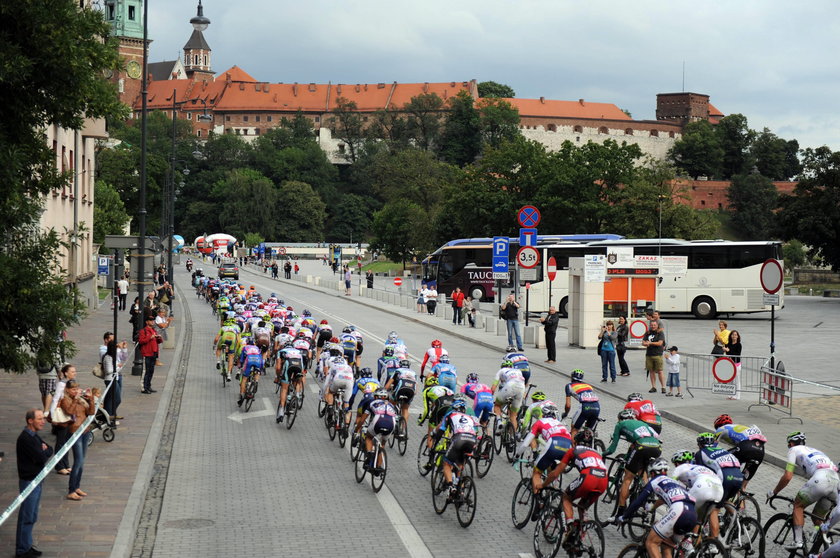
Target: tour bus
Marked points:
720	276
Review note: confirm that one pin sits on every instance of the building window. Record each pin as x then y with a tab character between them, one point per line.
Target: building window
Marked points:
131	13
227	118
579	129
256	131
195	60
317	119
341	148
603	130
189	116
702	202
245	131
110	12
268	118
205	59
257	118
198	133
237	131
577	138
245	118
654	133
670	134
552	128
628	132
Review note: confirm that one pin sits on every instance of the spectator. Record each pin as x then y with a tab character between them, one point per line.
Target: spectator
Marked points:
470	310
47	378
149	340
672	358
79	406
421	301
721	338
122	292
165	296
297	268
111	375
653	343
369	279
287	270
136	318
733	350
550	322
32	455
347	280
457	306
609	339
274	270
510	311
431	296
162	323
621	347
67	373
150	304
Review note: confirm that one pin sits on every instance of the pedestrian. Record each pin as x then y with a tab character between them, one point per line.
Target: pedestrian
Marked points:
47	378
287	270
653	343
431	296
457	305
148	340
122	292
369	279
510	311
549	322
165	295
672	360
111	375
421	301
274	270
32	454
621	347
79	405
59	428
721	338
470	310
136	319
733	350
609	339
348	277
297	268
150	304
162	323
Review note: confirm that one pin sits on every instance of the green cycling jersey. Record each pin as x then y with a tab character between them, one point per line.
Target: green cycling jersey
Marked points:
634	431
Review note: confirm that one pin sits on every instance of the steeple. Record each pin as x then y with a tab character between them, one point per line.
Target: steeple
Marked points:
126	20
197	51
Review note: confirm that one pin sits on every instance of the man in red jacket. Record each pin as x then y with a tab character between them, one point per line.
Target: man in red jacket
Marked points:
148	340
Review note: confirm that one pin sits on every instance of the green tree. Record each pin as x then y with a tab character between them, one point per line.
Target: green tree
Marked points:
350	217
498	121
424	119
735	139
109	215
753	199
390	124
460	143
399	230
794	254
410	174
347	125
39	88
492	89
252	240
812	213
245	203
774	157
699	152
302	213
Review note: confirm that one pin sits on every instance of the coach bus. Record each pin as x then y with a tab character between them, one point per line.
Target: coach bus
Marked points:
720	277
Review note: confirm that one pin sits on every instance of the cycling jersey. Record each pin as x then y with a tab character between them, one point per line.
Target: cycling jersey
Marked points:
534	412
680	517
340	378
482	396
554	441
510	385
592	481
646	412
582	392
430	397
636	432
807	461
447	375
725	465
251	358
405	384
520	362
703	484
432	357
349	345
462	438
228	336
367	385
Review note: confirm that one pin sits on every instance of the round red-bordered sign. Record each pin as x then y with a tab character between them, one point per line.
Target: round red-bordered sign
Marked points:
397	281
726	363
528	216
551	268
772	276
638	328
528	257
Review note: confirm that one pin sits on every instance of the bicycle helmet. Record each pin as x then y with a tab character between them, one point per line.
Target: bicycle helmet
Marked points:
381	394
796	438
388	352
307	314
706	439
584	437
538	396
436	344
635	396
722	420
507	363
472	378
658	467
393	336
626	414
352	328
366	372
549	411
333	339
324	322
444	359
431	381
281	302
577	375
682	456
405	363
290	309
459	403
273	295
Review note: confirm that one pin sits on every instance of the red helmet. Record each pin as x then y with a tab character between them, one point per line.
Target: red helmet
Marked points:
334	339
722	420
290	309
324	322
436	343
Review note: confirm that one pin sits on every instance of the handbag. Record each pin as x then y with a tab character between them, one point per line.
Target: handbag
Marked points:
98	371
717	350
600	344
59	417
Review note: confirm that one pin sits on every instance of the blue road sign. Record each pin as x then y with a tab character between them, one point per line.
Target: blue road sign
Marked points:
102	265
527	237
528	216
501	254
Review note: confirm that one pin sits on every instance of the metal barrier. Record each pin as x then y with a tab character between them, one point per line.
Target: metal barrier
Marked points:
776	391
722	374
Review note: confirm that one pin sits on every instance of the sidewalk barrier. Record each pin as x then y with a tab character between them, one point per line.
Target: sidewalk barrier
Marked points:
68	445
721	374
776	392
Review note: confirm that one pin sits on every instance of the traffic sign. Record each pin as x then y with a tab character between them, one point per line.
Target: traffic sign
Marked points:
102	267
724	370
528	216
551	269
282	250
527	237
638	328
528	257
501	276
770	299
501	254
397	281
772	276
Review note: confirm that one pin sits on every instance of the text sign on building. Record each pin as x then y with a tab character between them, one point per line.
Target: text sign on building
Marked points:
673	266
645	261
594	268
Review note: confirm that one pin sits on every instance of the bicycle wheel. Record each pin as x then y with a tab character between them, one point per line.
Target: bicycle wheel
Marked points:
322	408
484	453
778	532
548	533
250	394
329	419
277	386
751	507
392	439
466	501
745	538
633	551
599	446
509	441
423	453
402	437
223	372
591	542
342	435
355	446
522	505
709	548
360	466
277	413
440	494
377	476
498	428
291	412
605	506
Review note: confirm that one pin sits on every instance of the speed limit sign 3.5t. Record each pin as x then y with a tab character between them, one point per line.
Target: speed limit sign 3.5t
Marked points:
528	257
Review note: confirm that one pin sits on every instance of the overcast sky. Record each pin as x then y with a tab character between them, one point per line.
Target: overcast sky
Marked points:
773	61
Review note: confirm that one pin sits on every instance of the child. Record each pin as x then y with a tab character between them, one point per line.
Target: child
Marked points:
672	360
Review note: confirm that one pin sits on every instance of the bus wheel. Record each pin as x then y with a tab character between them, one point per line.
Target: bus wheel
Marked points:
704	308
563	310
477	292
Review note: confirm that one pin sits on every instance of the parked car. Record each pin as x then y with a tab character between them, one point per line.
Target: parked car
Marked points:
229	270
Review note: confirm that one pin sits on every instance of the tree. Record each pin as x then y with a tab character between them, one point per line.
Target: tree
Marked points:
410	174
735	138
39	88
245	203
794	254
351	217
753	198
812	213
302	212
424	119
775	157
399	231
460	143
492	89
498	121
699	152
252	240
347	125
109	215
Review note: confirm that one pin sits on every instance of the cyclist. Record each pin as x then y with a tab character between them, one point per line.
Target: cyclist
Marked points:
446	373
460	429
251	360
262	335
349	344
534	410
366	384
724	464
432	356
748	441
282	339
680	519
288	367
820	488
520	362
222	305
404	384
834	550
551	439
360	344
227	339
590	407
382	423
592	481
340	377
644	446
482	396
645	411
509	384
436	400
302	344
387	361
704	486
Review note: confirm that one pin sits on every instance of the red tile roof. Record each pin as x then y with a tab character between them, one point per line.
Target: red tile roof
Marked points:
236	74
568	109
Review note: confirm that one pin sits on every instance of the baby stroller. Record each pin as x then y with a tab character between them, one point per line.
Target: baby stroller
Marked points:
102	421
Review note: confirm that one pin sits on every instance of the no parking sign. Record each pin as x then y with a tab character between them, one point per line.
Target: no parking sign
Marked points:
638	328
724	370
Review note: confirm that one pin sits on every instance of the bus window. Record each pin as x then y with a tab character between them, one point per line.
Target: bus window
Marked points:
430	268
745	256
709	257
446	266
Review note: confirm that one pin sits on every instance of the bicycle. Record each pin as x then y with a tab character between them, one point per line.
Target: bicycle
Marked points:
223	369
484	452
294	400
523	507
745	504
464	495
778	532
504	435
251	386
705	547
400	437
550	532
607	505
378	471
743	534
334	418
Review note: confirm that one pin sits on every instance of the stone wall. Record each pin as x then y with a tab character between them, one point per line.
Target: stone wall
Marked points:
656	146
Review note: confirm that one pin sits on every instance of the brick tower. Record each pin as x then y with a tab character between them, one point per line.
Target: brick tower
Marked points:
126	20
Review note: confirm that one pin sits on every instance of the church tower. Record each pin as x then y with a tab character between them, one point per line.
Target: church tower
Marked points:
126	20
197	51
